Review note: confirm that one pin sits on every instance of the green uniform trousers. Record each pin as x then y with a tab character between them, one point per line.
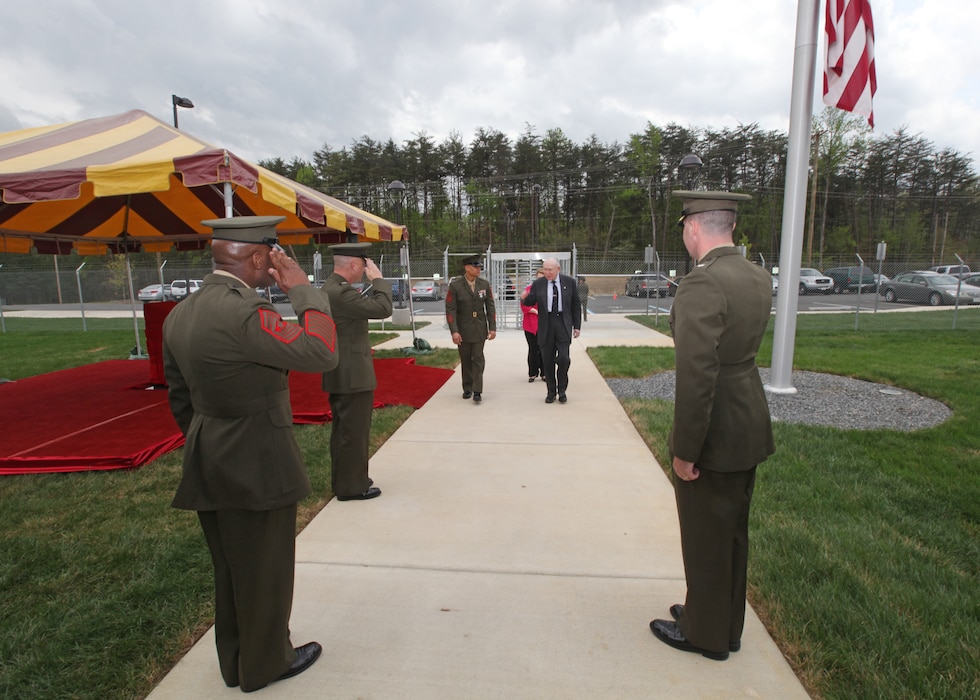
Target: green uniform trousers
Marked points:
472	362
714	520
254	554
350	434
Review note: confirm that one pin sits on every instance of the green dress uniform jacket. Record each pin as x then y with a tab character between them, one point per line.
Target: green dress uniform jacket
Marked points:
226	356
351	312
351	385
722	424
471	312
720	313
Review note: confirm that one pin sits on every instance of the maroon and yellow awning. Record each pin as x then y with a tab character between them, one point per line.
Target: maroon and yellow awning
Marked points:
132	182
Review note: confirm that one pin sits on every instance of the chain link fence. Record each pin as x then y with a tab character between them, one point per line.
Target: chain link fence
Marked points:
44	279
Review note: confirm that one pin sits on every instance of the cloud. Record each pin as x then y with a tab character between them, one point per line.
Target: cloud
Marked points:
284	78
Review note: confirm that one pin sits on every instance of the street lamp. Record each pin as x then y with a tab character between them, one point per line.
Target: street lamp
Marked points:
396	190
535	215
689	170
180	102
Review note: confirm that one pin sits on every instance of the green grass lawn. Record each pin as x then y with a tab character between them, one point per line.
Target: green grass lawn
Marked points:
865	545
865	562
105	586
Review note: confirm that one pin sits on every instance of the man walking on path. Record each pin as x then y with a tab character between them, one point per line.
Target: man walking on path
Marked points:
472	318
721	430
559	320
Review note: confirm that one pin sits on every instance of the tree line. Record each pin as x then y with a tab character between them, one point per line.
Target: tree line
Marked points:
545	191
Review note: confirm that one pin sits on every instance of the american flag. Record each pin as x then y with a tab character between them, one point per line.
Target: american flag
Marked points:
849	80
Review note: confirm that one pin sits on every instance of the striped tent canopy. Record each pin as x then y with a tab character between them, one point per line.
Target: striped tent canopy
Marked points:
130	182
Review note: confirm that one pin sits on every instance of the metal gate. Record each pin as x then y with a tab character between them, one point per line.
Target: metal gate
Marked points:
510	273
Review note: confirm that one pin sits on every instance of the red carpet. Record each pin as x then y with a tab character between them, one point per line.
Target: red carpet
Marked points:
92	417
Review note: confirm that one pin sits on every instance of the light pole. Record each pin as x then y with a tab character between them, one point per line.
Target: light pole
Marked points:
689	170
396	190
535	217
180	102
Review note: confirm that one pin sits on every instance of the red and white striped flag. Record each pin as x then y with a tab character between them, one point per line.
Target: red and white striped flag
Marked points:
849	80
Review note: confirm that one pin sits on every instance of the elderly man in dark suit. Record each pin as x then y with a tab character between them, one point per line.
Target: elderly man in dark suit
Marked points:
226	353
352	383
559	320
472	319
721	430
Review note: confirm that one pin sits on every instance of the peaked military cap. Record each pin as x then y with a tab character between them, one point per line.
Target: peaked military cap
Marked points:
245	229
697	201
351	250
474	260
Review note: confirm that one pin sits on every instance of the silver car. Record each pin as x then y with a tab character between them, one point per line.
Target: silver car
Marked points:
650	285
929	288
813	281
155	292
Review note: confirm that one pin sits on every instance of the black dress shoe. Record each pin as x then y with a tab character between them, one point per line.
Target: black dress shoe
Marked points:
677	609
372	492
467	394
670	634
305	656
562	398
477	396
550	398
530	380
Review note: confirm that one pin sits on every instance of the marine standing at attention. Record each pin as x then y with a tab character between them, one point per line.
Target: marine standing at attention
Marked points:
721	430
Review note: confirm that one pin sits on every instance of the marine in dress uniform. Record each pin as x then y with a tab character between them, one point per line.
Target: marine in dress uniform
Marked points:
721	429
351	385
472	318
226	353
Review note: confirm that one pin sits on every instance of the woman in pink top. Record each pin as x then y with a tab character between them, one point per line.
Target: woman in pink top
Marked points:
535	367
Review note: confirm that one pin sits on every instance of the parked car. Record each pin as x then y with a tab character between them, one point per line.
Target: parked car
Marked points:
398	288
929	288
973	278
850	279
181	288
273	294
155	292
650	284
426	290
812	280
954	270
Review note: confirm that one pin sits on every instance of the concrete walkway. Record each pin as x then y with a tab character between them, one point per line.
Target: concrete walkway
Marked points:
519	550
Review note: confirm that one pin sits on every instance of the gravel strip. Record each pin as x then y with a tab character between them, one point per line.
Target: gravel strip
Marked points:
821	399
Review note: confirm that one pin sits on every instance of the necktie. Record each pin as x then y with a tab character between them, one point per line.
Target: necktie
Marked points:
554	297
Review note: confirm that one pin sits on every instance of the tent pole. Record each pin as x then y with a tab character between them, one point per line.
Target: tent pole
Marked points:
129	276
132	300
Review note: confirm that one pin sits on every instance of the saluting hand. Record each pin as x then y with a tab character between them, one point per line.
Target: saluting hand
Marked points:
286	272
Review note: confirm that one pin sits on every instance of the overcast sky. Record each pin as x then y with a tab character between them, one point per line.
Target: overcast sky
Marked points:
282	78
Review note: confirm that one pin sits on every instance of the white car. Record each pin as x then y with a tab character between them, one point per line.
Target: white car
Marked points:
812	280
181	288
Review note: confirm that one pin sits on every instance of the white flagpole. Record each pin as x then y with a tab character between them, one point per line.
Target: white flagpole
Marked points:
794	204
